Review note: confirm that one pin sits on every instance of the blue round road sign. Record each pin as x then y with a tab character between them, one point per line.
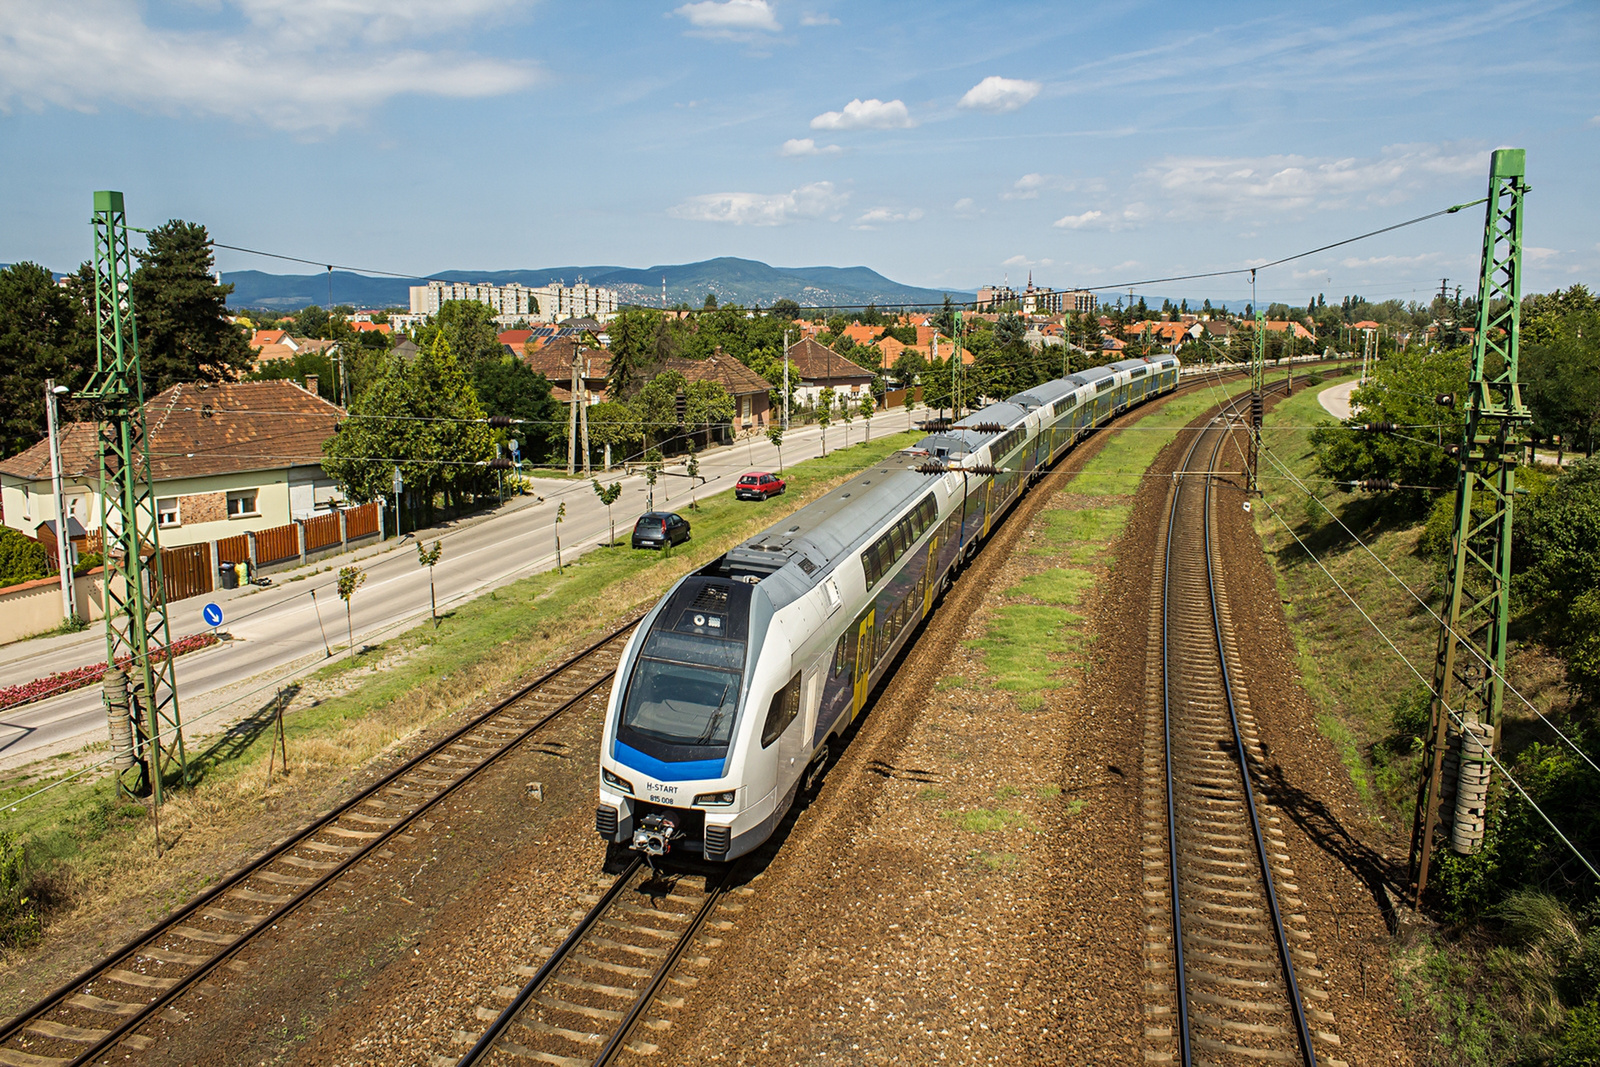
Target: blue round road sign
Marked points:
212	614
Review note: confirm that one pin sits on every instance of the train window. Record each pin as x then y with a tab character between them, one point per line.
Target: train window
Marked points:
782	711
899	533
1105	383
841	654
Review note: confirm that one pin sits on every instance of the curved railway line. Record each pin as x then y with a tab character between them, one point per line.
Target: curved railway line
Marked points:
1240	976
106	1006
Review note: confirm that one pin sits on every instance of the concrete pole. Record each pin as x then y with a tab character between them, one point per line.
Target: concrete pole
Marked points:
786	403
69	606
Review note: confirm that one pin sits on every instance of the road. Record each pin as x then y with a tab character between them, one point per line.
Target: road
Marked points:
280	630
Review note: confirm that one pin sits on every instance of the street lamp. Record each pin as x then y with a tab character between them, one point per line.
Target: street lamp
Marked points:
69	606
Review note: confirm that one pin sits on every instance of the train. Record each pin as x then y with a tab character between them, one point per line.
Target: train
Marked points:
736	689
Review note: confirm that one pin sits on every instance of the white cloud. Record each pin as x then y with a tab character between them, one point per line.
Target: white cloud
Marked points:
805	146
1024	261
964	204
999	94
878	216
1234	186
818	18
1078	222
813	201
734	19
861	114
81	54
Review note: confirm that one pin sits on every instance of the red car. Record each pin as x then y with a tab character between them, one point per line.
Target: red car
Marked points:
758	486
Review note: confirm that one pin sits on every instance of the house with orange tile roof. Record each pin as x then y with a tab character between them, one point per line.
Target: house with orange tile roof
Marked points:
814	367
862	335
225	458
1366	324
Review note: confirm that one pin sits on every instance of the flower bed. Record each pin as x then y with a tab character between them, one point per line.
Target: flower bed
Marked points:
66	681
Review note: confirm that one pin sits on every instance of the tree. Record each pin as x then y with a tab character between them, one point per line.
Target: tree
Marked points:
428	557
43	334
298	368
711	302
945	320
351	578
561	516
1403	392
847	413
1008	330
825	414
936	388
507	386
656	405
653	462
641	340
468	327
784	309
707	404
867	408
608	495
310	321
184	332
692	469
612	423
775	435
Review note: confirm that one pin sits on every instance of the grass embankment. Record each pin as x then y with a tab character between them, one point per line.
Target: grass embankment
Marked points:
1484	993
81	840
1036	631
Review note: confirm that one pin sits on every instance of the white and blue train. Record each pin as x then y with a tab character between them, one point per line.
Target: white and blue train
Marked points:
734	689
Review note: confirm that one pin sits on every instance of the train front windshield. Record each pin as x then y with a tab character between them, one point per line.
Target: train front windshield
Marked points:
684	694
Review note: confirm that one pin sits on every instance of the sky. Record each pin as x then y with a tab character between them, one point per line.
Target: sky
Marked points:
942	144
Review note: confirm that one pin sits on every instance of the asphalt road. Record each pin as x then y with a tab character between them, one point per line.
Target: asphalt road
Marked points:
280	630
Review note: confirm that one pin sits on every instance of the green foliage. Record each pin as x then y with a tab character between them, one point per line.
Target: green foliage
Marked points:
44	333
614	423
312	320
507	386
22	559
656	406
296	369
423	417
19	919
351	578
1402	391
184	333
1560	365
426	556
467	328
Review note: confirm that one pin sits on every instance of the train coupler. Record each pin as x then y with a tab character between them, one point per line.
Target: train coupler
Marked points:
656	833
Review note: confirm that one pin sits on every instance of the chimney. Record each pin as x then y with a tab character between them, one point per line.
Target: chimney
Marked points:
311	383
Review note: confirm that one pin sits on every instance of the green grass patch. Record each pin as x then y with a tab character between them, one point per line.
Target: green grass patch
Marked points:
931	793
1048	792
988	820
1019	644
1068	527
1076	805
1058	585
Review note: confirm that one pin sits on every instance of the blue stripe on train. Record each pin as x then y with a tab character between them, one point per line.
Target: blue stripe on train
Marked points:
662	771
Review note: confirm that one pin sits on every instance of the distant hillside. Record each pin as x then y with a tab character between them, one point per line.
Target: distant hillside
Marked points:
743	281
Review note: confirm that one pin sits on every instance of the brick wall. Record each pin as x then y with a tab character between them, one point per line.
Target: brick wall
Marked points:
203	507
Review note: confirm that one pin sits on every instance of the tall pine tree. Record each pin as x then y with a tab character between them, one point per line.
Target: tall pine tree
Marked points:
181	309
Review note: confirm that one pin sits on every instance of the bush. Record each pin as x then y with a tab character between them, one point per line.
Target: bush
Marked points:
1580	1038
19	918
22	559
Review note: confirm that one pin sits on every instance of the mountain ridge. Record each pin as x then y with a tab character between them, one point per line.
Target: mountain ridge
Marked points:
730	278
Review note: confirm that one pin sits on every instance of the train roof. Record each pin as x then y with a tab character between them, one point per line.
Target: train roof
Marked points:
1130	364
792	556
1000	413
1044	395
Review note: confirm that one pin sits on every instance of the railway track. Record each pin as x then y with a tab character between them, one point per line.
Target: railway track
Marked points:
582	1006
1230	968
101	1011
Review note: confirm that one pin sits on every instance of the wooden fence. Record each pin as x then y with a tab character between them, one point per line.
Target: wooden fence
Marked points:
361	522
235	549
276	544
322	531
186	571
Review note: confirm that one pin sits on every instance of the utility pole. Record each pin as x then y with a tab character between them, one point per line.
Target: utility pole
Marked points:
583	414
1469	667
572	411
955	365
69	602
135	596
786	380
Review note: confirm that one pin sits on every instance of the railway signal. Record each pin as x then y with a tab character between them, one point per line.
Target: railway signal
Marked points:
1469	667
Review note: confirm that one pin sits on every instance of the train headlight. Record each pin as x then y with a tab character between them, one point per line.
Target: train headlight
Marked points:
714	800
621	785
